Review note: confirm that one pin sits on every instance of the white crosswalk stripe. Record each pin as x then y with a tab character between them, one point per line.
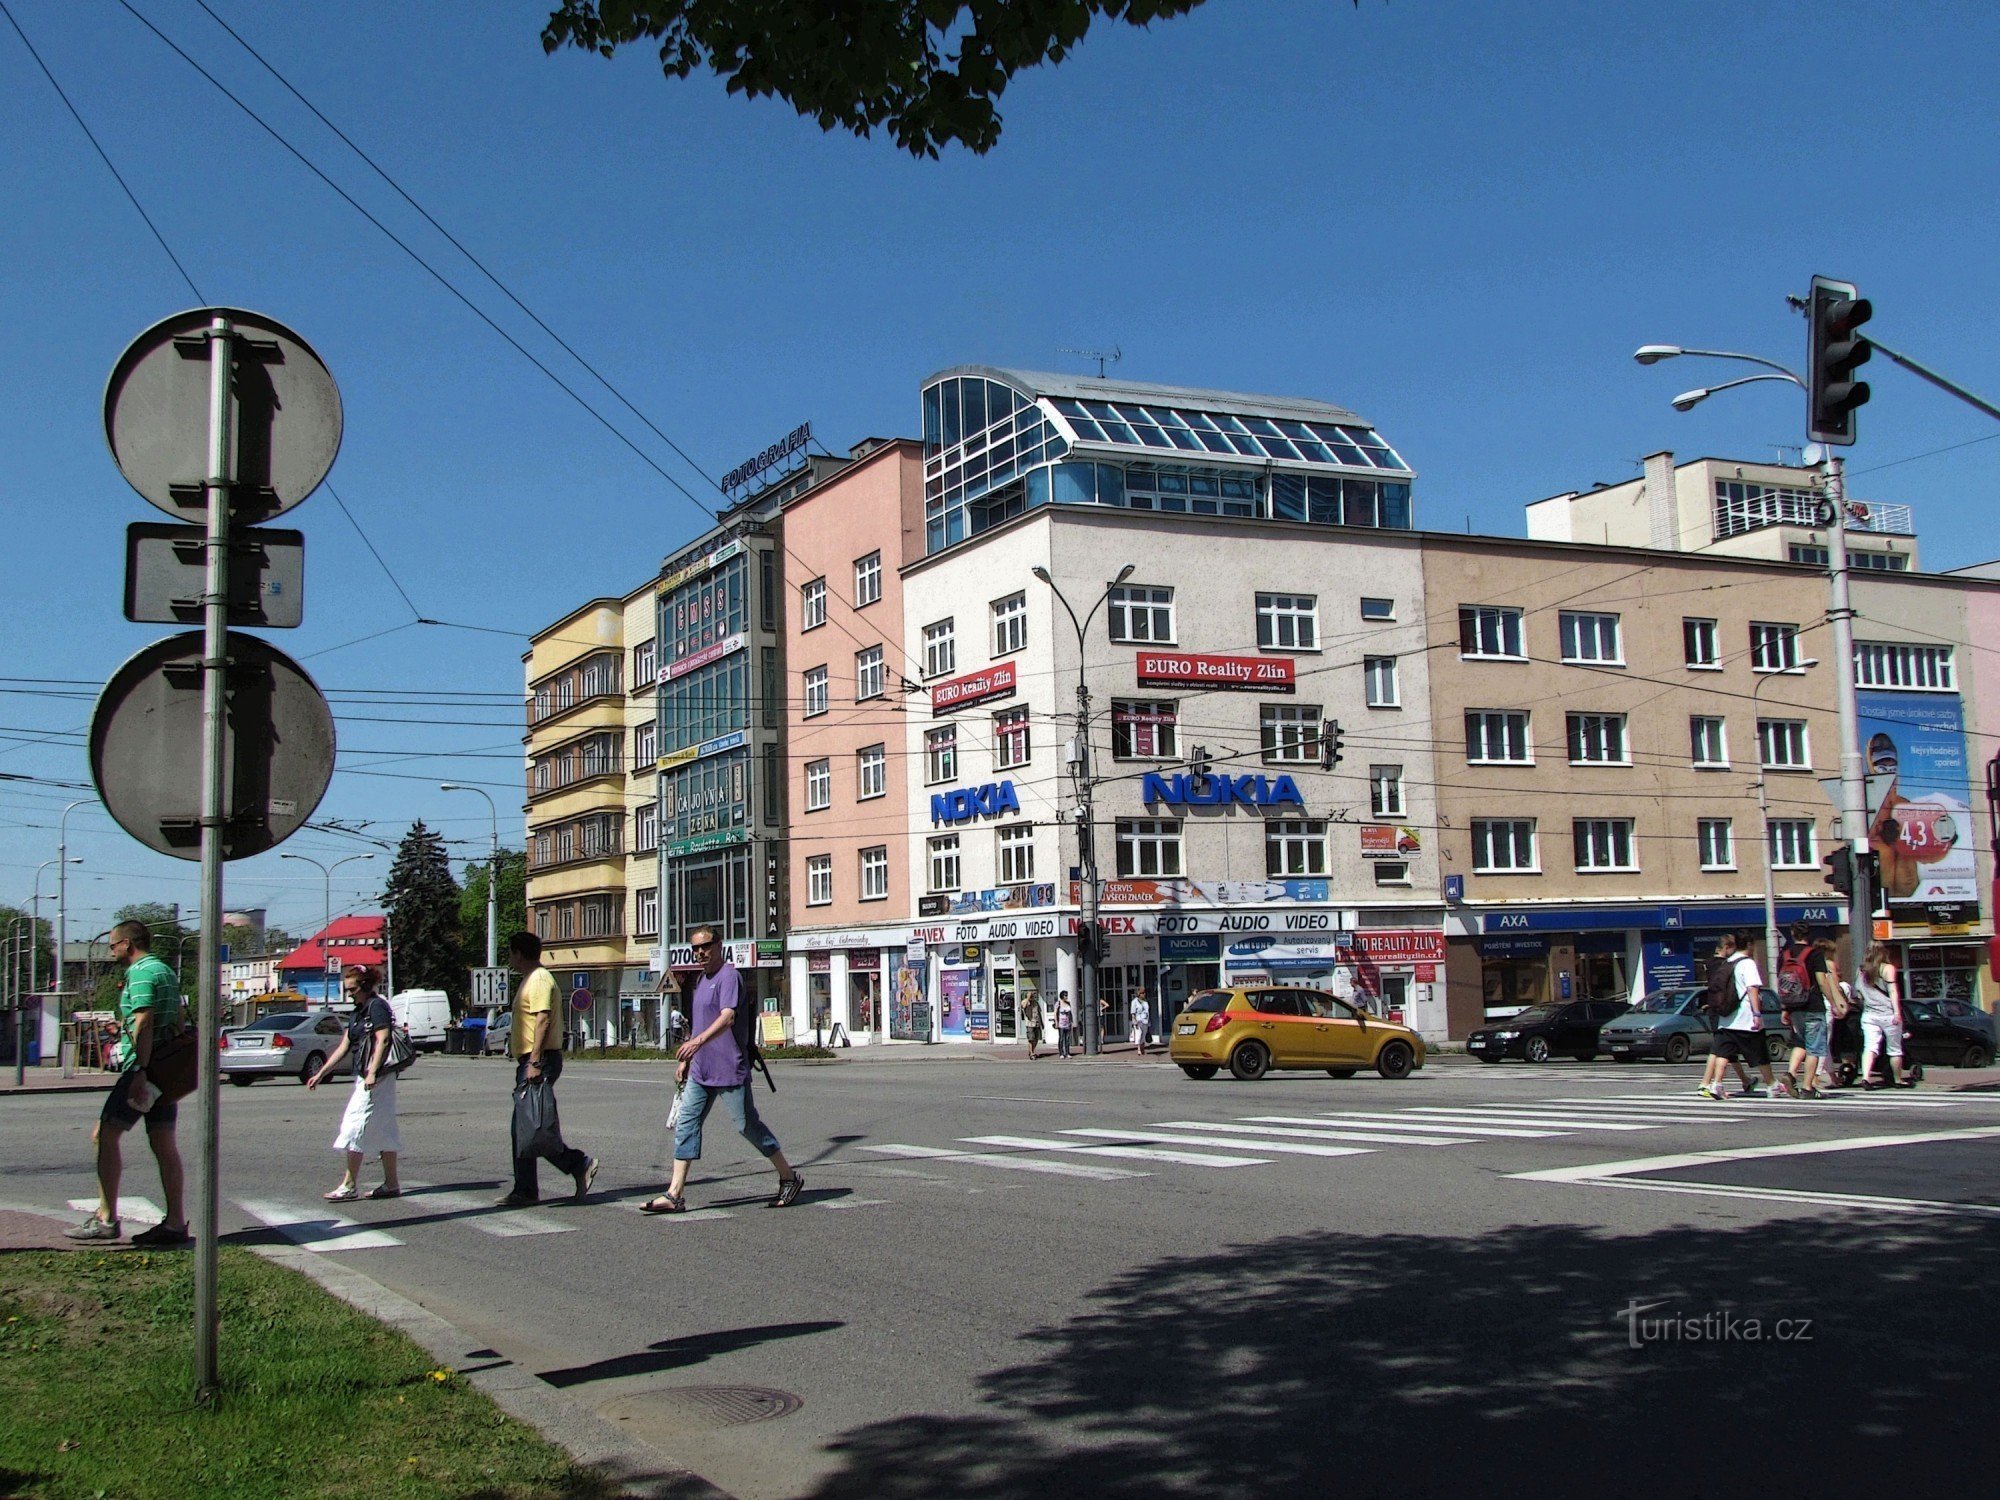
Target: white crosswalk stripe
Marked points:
136	1210
1318	1130
1181	1138
1134	1153
1518	1115
479	1212
1765	1103
1009	1163
316	1229
1404	1122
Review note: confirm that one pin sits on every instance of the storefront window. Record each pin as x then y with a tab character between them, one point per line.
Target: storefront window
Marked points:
864	995
1946	972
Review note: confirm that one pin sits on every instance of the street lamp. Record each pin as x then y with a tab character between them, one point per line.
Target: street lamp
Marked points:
62	886
1087	946
492	874
326	910
1689	400
1764	813
35	931
1840	614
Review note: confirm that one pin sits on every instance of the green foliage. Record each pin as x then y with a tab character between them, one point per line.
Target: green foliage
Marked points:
173	945
422	900
931	71
513	905
249	942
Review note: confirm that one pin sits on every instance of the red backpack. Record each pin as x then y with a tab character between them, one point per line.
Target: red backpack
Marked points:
1794	981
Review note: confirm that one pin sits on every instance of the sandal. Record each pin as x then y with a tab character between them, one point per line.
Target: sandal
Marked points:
788	1192
665	1203
342	1195
385	1191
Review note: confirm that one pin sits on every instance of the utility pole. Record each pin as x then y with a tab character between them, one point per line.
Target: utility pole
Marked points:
492	873
62	893
1853	770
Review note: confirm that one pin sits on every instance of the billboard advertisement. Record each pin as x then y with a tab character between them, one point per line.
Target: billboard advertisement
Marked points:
1919	740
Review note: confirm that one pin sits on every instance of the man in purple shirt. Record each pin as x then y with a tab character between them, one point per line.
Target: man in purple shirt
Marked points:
713	1066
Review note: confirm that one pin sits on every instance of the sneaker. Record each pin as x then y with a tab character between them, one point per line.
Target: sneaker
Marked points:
159	1237
516	1200
1783	1090
586	1177
93	1228
1707	1092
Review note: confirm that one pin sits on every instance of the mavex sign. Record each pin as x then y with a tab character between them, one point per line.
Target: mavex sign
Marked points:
1218	791
969	802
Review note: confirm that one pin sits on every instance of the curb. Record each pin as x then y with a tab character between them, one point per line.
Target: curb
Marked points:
27	1089
639	1471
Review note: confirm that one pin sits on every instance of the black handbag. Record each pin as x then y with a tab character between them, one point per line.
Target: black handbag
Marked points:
399	1056
173	1068
537	1126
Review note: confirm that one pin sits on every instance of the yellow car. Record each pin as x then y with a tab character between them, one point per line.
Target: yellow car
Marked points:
1251	1030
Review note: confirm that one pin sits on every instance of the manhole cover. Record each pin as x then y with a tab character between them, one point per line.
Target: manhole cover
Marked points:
679	1410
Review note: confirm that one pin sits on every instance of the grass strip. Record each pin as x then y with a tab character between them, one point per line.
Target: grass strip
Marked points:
318	1400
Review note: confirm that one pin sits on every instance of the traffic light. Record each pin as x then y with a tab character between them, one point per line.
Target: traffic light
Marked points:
1329	746
1839	873
1834	350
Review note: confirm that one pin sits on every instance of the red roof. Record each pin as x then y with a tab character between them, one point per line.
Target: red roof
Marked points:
354	940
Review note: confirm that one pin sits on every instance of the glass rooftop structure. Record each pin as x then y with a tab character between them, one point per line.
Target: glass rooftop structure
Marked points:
1001	442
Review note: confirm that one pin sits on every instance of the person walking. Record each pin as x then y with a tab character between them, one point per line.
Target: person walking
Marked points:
1065	1024
1799	1002
149	1012
714	1064
536	1040
1031	1024
1881	1017
1142	1016
1735	988
369	1123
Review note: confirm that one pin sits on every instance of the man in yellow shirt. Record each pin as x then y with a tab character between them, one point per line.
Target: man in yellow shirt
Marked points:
537	1046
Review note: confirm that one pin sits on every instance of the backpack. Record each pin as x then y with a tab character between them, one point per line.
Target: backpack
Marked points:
1721	999
744	1025
1795	984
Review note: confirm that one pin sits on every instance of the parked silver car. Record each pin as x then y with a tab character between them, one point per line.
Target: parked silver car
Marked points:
286	1044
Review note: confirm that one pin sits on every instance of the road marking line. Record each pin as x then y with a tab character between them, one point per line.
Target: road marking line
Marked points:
1570	1112
1280	1125
853	1203
1174	1138
138	1210
1399	1122
1447	1117
1136	1153
1604	1170
1766	1103
315	1229
1935	1206
1010	1163
484	1215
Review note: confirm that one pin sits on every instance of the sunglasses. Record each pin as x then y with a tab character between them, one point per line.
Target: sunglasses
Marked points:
701	947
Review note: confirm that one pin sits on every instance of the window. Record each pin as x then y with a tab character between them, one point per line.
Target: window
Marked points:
1597	740
815	691
1774	648
819	785
1385	791
1378	609
1017	854
812	605
944	862
1391	872
1290	733
875	873
1710	741
1503	846
1489	630
1879	562
646	828
941	754
1496	737
873	767
1698	645
1603	844
1717	843
1010	624
1591	639
1782	746
819	880
1880	664
867	579
1144	729
1819	557
646	913
1793	846
868	674
1010	737
1288	622
1139	614
1379	677
1742	506
940	649
646	745
1148	846
1294	848
645	658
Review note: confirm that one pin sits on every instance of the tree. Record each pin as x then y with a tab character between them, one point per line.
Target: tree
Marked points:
246	941
513	905
173	945
932	71
422	901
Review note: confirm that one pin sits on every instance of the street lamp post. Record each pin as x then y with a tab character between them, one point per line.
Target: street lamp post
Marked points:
492	874
1840	614
1764	814
35	930
326	908
62	886
1088	936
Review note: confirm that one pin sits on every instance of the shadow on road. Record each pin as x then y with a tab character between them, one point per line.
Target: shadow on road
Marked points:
1323	1364
675	1354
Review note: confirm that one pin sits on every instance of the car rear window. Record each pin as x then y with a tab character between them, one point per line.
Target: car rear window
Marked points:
276	1023
1209	1000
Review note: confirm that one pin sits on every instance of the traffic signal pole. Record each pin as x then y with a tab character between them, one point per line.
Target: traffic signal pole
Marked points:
1854	833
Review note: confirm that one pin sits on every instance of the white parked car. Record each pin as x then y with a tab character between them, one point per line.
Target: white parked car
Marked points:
423	1016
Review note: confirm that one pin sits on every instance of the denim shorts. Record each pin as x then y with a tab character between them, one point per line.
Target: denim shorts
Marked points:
696	1101
1809	1031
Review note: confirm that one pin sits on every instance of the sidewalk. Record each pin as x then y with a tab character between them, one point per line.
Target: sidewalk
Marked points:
51	1081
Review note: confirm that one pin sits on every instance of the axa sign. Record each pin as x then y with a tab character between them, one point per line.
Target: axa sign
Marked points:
1218	791
969	802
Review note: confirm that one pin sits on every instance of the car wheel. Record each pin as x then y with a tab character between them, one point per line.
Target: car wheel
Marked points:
1250	1061
314	1061
1624	1057
1775	1047
1974	1056
1678	1048
1395	1060
1198	1070
1536	1049
1341	1072
243	1080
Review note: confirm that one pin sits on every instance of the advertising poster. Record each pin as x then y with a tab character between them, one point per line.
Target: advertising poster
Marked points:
954	986
1919	739
910	1015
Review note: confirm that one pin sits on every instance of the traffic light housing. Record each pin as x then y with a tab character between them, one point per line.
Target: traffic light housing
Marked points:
1329	746
1834	350
1839	873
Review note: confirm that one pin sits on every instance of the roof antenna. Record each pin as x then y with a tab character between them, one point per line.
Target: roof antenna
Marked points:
1114	354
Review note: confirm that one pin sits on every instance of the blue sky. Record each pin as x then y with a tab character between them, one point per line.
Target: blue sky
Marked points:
1457	218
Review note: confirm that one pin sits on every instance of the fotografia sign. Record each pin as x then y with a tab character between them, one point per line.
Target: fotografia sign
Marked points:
775	456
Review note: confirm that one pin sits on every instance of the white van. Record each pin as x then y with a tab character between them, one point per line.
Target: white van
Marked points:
423	1015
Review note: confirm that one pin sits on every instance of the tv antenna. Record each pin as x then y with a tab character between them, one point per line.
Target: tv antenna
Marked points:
1114	354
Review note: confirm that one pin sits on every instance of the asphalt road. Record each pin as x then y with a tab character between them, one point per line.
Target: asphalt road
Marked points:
1013	1278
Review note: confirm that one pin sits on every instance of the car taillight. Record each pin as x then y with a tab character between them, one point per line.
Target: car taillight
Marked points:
281	1042
222	1044
1219	1020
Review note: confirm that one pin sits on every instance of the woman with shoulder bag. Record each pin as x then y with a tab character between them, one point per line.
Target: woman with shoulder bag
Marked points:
369	1123
1881	1017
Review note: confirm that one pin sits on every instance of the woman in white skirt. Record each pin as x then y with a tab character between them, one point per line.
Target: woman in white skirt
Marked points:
369	1125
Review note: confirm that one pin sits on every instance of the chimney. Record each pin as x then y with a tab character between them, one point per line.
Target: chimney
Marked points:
1661	512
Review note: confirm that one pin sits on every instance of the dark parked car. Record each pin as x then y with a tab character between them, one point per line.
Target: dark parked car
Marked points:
1943	1033
1675	1025
1544	1031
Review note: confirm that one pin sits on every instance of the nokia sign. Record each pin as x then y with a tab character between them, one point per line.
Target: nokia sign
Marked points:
969	802
1218	791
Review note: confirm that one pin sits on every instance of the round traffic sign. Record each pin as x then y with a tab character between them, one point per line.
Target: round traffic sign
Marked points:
145	746
580	999
286	411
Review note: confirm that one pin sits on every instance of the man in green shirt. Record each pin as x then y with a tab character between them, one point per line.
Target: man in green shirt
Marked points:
149	1009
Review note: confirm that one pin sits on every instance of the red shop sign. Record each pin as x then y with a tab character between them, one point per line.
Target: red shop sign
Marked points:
1246	674
974	687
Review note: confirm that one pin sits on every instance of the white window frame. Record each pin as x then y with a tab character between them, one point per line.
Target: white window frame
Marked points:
646	912
1590	638
1015	846
819	880
875	872
646	828
1148	848
1715	843
1294	848
1010	624
645	663
1375	611
1793	844
871	772
940	648
1904	666
1597	739
1795	734
1164	738
940	754
819	785
942	862
1495	633
1393	872
1013	743
867	580
645	744
868	674
1140	614
1290	733
1774	647
1708	742
1520	845
1287	622
812	604
1482	737
1382	683
1596	843
815	691
1385	792
1701	646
